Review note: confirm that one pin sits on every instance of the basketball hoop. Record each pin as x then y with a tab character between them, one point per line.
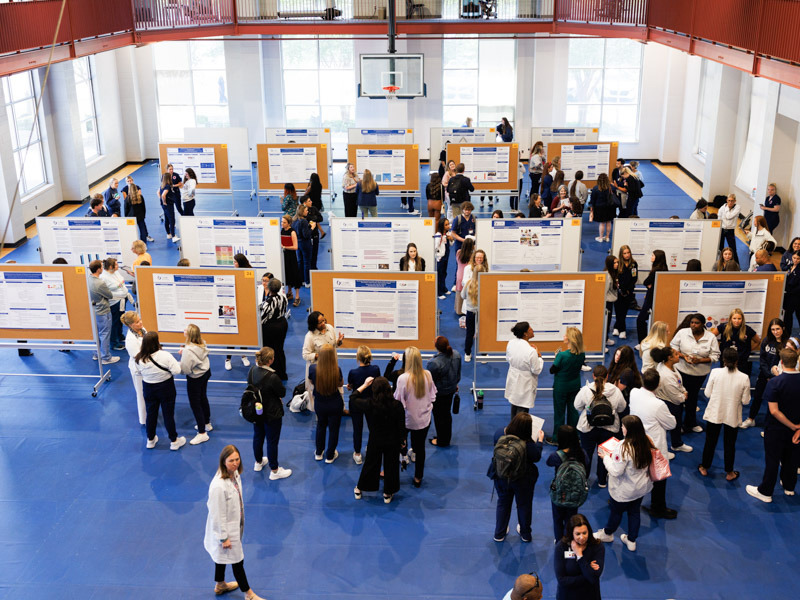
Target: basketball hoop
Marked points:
391	91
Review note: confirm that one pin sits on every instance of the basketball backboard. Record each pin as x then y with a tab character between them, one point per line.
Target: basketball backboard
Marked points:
379	71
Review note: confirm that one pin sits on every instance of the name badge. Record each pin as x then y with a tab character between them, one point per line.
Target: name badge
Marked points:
569	554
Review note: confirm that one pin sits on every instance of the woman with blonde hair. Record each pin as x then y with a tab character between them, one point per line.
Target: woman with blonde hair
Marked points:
737	334
566	369
470	295
759	235
133	344
657	338
197	368
326	377
349	190
368	191
139	248
463	260
417	393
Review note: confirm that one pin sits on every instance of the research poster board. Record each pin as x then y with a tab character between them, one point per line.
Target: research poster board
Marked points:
559	135
591	158
394	167
441	136
80	240
358	135
488	166
221	302
534	244
236	138
386	311
45	302
379	244
279	164
213	242
209	161
550	302
299	135
681	240
714	295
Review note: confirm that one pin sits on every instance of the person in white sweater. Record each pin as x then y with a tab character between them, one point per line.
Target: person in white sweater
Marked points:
197	368
657	420
157	368
588	402
728	215
628	479
671	391
728	389
524	365
116	283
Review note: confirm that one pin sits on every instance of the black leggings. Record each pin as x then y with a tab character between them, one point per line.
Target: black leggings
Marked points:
238	573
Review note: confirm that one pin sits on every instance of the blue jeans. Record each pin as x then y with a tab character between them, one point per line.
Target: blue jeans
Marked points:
169	218
633	508
304	250
507	493
104	333
271	430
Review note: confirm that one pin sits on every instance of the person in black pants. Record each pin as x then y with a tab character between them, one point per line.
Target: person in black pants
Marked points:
445	369
355	379
782	432
269	385
628	274
659	263
195	365
579	559
349	193
386	419
326	377
767	366
519	490
569	448
274	326
317	233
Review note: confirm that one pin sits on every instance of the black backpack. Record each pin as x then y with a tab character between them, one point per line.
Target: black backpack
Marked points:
570	486
600	412
247	408
510	454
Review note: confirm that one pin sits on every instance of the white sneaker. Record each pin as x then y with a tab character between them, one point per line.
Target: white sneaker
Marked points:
152	443
623	335
442	297
615	333
638	348
412	455
245	361
747	424
683	448
631	545
176	239
753	491
520	535
318	456
260	465
335	456
111	361
280	473
453	289
228	365
199	439
788	492
601	535
169	236
610	342
467	358
150	239
697	429
586	368
178	443
670	455
598	239
448	292
208	427
357	458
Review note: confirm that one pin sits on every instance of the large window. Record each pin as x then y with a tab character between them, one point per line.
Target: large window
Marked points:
87	110
710	75
191	84
20	96
319	85
603	84
479	81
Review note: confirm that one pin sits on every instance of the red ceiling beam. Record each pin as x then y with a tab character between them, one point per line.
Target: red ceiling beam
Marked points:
738	59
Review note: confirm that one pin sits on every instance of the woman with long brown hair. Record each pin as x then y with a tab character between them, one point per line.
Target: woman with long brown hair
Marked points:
326	377
368	191
433	192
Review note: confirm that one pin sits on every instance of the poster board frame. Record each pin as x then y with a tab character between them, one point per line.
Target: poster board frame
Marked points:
411	164
554	149
262	165
438	142
222	166
454	153
274	136
420	230
247	317
538	135
128	230
322	300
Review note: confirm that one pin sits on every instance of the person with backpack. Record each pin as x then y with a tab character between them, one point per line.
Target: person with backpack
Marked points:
514	472
629	480
458	188
524	365
265	385
570	486
657	420
600	403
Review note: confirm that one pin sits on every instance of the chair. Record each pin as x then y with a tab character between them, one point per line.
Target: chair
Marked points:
415	8
488	9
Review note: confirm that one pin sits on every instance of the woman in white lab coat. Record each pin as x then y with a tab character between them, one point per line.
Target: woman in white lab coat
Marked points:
524	365
225	523
133	344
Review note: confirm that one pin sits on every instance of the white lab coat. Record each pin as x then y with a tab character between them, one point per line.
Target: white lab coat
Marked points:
224	517
524	366
655	416
727	392
133	344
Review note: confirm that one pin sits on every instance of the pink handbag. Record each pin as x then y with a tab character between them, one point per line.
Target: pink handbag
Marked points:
659	466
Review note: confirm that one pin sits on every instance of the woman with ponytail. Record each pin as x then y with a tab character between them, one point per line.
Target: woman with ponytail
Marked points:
594	430
445	368
470	294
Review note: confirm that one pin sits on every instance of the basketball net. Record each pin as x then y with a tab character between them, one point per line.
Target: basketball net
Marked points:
391	92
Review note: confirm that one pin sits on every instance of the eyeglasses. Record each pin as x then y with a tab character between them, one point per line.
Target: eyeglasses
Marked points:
535	587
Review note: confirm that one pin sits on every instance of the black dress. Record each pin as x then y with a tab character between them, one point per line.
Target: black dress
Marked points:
294	279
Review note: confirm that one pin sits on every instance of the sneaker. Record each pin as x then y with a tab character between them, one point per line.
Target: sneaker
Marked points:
670	455
412	455
631	545
467	357
208	427
169	236
747	424
607	239
697	429
610	342
638	348
335	456
753	491
279	473
176	239
245	361
94	357
199	439
683	448
318	456
442	297
586	368
500	539
228	365
448	292
149	239
413	212
550	441
357	493
601	535
357	458
178	443
602	485
260	464
387	498
623	335
152	443
615	333
453	289
528	541
762	434
111	361
788	492
119	347
598	239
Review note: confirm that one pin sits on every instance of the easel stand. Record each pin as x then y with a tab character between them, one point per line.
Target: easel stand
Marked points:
207	193
404	196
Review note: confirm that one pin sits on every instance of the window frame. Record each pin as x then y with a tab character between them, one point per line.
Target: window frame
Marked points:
93	117
18	146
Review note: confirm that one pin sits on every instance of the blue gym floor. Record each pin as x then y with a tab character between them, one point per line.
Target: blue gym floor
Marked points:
87	512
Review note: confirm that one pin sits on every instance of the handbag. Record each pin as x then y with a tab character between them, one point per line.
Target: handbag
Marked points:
659	466
456	403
